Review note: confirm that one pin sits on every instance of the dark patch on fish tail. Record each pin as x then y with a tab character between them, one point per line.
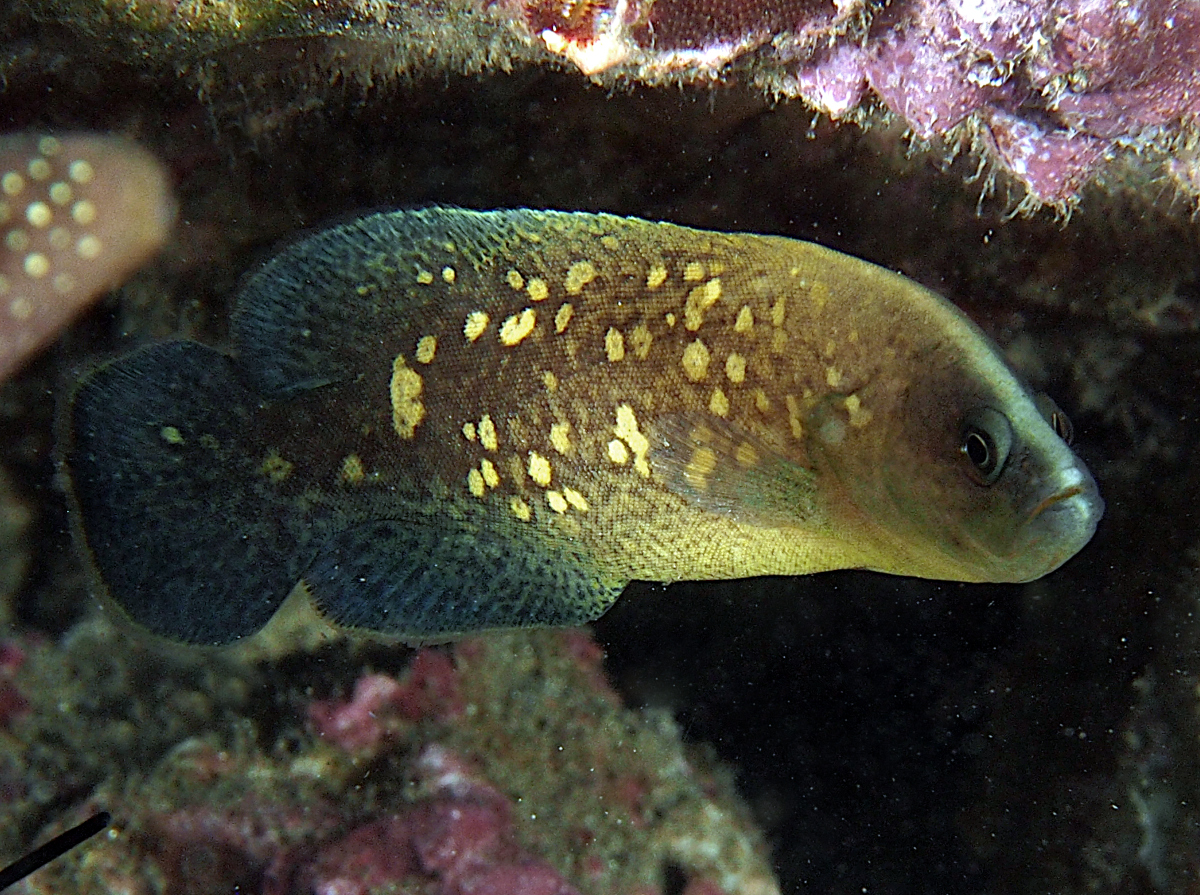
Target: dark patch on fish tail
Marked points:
184	521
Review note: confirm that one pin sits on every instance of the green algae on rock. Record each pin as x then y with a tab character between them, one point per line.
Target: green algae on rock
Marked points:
445	421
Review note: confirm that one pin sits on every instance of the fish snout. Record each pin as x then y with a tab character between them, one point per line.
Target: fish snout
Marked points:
1063	518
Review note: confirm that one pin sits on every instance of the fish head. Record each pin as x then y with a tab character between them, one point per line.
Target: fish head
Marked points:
956	471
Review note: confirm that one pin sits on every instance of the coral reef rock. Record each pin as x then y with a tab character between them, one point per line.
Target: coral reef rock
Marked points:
503	765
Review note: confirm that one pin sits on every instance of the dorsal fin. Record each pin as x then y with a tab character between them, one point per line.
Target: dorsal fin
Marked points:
307	317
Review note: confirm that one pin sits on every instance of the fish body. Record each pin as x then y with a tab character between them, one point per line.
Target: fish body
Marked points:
446	420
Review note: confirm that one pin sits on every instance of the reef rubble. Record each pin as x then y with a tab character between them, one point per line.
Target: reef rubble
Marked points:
502	766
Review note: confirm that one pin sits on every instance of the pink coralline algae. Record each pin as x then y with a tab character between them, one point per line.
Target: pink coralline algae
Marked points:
1049	88
430	690
78	213
462	837
12	703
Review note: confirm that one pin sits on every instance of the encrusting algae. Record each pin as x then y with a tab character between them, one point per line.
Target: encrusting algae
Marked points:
445	421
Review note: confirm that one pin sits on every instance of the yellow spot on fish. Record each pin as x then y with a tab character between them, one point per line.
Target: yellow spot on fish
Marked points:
575	499
745	321
475	324
550	381
171	435
735	367
670	318
627	430
695	361
426	348
557	502
820	294
448	274
468	431
352	469
830	348
793	408
718	403
516	469
560	437
563	317
779	311
614	345
275	468
407	409
39	168
656	277
761	401
475	482
539	469
859	415
701	465
699	300
515	280
746	455
693	272
617	452
12	183
517	327
491	477
520	509
61	193
853	337
424	277
579	275
640	339
487	433
538	290
833	377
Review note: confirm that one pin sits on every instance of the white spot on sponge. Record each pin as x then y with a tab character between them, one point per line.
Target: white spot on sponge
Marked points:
122	214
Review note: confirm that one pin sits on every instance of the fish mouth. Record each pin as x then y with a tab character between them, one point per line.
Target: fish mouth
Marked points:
1061	523
1046	503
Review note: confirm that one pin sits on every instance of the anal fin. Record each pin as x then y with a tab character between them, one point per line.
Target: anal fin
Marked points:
433	577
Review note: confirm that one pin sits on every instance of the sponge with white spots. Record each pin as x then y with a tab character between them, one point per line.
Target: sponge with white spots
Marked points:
78	214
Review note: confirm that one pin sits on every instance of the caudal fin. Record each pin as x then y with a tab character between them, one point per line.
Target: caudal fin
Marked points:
176	508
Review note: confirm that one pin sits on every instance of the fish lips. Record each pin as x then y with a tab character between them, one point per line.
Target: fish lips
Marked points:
1064	514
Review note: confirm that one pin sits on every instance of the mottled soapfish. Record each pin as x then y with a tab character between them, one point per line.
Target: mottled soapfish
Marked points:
444	421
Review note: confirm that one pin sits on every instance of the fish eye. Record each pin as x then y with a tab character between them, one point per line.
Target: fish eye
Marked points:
985	443
1053	414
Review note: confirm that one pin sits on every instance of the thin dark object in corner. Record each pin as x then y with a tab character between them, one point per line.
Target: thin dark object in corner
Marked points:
59	845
